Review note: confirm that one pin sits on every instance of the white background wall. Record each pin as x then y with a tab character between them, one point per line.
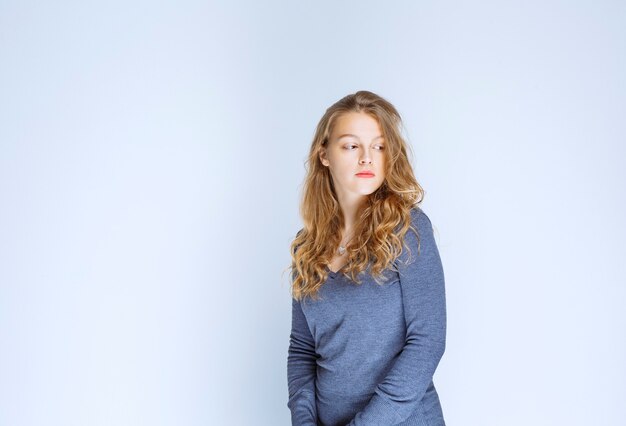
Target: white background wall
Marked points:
151	157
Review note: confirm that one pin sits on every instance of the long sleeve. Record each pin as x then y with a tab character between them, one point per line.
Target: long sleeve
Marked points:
301	370
423	298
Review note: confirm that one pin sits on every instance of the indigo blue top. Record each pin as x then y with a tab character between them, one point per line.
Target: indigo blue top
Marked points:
366	354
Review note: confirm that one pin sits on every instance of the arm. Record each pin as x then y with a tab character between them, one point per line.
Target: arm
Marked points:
301	370
423	296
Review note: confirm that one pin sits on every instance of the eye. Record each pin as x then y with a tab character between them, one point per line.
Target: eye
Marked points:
349	147
379	147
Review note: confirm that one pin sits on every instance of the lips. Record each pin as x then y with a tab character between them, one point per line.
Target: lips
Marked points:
365	174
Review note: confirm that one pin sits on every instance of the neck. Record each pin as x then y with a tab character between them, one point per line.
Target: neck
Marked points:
349	207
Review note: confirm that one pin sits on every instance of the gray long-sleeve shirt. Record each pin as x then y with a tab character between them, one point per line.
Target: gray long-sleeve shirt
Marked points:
366	354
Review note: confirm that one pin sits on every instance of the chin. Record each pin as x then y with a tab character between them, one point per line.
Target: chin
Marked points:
367	191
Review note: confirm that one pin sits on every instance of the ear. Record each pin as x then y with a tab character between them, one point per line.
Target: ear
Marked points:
324	157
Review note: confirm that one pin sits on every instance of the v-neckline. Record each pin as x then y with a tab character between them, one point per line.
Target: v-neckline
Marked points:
332	273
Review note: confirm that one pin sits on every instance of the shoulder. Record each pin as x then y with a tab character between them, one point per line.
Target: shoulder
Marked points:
295	247
419	238
420	220
420	235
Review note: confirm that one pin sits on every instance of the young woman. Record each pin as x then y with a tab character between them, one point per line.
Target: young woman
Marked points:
368	298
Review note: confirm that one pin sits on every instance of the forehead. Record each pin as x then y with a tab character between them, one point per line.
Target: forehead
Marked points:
356	123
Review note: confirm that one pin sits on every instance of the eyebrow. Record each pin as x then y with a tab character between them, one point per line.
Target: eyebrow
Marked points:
356	137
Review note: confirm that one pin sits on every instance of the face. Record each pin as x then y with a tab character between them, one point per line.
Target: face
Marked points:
355	146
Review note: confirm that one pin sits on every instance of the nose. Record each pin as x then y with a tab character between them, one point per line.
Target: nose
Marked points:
365	159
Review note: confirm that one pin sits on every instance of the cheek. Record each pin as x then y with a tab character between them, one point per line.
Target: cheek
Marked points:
345	164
